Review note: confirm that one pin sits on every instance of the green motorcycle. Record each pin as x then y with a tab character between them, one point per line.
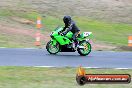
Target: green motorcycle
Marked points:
64	43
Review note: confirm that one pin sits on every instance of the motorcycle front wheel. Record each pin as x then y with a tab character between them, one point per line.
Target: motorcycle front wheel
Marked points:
53	49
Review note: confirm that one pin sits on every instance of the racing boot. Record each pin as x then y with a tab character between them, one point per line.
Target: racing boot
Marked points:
74	45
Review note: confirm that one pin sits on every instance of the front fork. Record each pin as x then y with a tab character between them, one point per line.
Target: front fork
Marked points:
53	42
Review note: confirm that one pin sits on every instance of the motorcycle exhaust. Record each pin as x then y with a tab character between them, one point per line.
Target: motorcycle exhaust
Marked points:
81	47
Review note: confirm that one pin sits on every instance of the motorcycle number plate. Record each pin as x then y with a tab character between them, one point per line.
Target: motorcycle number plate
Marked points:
87	33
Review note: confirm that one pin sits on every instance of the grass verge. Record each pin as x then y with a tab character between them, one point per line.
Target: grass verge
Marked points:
33	77
106	32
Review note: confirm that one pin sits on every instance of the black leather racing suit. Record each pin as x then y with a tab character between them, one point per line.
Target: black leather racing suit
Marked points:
71	26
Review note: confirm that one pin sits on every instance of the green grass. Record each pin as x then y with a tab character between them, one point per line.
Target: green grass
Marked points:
31	77
106	32
13	41
111	33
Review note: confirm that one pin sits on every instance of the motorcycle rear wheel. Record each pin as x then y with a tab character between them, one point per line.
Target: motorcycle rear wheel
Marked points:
86	50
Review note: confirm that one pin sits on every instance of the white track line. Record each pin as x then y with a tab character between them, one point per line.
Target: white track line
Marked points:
105	68
123	68
45	66
18	48
2	47
82	67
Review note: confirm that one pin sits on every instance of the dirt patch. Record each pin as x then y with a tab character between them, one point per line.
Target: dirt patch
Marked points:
11	31
102	46
21	36
22	20
124	48
21	31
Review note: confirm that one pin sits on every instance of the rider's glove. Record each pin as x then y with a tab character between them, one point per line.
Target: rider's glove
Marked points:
64	33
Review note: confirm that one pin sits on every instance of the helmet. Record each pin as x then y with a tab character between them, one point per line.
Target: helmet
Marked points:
66	19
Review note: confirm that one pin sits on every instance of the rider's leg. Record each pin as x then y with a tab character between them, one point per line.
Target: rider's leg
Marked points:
74	38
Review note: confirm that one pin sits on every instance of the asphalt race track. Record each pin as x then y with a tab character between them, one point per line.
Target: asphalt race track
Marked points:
40	57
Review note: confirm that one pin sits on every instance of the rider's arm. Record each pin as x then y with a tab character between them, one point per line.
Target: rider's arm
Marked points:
64	28
69	28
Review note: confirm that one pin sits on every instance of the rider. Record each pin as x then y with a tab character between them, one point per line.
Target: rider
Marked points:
70	26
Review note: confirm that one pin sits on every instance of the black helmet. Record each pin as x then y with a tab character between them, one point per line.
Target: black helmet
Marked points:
67	19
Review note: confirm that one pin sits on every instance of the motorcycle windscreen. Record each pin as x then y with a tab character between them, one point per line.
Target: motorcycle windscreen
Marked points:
58	29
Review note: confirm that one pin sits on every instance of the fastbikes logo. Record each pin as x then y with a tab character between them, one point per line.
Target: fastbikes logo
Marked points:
83	78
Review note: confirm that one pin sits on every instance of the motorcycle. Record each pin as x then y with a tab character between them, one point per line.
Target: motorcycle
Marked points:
64	43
